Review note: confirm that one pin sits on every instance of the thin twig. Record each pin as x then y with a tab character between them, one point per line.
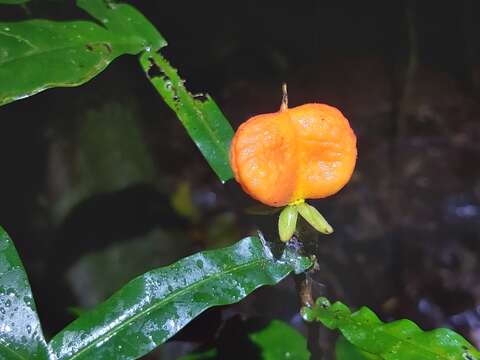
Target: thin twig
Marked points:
284	105
303	285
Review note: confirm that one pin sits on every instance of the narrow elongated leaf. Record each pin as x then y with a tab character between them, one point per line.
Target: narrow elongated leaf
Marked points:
397	340
203	119
39	54
154	306
21	335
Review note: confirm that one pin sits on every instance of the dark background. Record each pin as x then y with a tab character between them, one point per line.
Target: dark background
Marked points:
87	174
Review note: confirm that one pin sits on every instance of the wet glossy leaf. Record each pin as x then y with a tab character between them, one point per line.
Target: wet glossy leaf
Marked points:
154	306
72	51
280	341
203	119
21	335
397	340
346	351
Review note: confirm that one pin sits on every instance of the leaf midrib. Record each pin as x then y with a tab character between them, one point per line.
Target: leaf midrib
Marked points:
160	303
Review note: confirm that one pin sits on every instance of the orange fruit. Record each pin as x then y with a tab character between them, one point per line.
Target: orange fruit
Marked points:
306	152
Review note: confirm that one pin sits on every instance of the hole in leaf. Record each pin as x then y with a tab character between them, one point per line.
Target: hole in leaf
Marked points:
153	70
103	47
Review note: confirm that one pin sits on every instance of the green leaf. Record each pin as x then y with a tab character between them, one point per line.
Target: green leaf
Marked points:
126	23
156	305
21	335
279	341
397	340
203	119
72	51
346	351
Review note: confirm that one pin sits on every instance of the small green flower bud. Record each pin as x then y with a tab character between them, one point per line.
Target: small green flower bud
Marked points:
287	222
314	218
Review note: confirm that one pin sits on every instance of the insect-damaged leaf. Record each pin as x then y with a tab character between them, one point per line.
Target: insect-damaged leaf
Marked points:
203	119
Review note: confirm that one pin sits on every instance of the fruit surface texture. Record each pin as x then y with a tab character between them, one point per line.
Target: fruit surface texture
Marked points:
305	152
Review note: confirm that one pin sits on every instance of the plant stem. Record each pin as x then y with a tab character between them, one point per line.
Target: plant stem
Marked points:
284	105
303	285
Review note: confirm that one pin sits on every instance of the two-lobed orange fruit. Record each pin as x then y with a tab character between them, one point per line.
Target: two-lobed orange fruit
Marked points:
306	152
